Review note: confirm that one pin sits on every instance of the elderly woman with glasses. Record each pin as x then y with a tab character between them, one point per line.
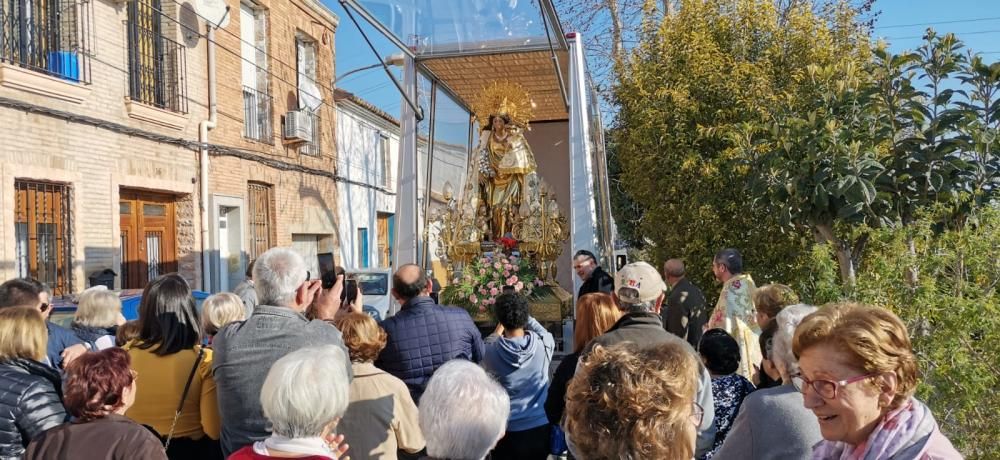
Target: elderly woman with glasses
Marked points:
857	375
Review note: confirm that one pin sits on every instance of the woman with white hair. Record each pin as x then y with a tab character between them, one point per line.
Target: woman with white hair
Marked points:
773	423
98	315
303	412
463	412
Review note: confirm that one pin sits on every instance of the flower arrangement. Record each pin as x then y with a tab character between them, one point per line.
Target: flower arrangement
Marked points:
484	280
509	243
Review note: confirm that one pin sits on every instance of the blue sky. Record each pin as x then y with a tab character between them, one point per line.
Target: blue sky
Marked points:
902	23
975	22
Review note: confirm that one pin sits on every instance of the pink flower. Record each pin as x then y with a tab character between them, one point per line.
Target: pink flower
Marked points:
491	284
494	292
538	282
482	309
506	274
513	280
519	286
473	299
482	291
508	267
497	265
482	272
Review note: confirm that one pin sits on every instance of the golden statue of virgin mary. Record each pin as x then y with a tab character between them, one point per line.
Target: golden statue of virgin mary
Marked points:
506	164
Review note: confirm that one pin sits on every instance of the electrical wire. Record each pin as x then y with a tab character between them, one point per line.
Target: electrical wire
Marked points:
240	56
958	21
957	34
213	149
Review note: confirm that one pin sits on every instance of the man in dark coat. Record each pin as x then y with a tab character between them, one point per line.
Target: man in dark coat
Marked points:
594	278
424	335
686	312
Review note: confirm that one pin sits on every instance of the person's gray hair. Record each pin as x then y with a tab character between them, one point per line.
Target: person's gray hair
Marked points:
781	352
306	390
674	267
463	412
98	307
277	273
731	259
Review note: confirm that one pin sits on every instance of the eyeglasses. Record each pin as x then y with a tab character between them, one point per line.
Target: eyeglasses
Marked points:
827	389
697	414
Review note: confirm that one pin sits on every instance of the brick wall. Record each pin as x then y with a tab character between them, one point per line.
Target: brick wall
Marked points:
98	161
304	202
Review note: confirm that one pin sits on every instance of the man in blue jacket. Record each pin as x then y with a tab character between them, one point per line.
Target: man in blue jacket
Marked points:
424	335
518	354
63	345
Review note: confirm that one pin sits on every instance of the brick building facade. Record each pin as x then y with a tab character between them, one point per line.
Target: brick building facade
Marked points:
99	141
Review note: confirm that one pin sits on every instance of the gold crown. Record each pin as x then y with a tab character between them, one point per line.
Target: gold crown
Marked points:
503	98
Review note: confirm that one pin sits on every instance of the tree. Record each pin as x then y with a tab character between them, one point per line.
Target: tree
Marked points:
952	313
694	97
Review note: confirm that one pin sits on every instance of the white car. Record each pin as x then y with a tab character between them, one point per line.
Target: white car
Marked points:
376	290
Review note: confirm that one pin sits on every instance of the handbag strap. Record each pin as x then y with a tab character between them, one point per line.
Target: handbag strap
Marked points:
180	405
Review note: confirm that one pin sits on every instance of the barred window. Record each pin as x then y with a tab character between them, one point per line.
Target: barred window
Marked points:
157	65
43	234
47	36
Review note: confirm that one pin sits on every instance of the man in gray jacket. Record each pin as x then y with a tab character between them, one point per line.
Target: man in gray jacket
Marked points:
639	295
245	350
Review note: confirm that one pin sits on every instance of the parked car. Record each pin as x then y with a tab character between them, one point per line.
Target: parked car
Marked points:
376	290
64	308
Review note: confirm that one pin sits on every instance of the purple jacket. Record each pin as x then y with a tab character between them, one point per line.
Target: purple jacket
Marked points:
422	337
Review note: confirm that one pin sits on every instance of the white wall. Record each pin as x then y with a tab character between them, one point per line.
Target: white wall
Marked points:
363	197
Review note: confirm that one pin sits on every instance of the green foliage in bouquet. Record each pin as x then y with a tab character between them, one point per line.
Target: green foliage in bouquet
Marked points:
483	280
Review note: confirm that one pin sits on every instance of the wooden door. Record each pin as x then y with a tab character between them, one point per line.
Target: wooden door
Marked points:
384	239
148	237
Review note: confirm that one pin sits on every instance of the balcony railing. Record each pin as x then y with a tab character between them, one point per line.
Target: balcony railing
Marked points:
157	69
257	115
47	36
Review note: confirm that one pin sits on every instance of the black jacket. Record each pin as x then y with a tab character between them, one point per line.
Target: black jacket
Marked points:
685	313
30	403
555	402
599	281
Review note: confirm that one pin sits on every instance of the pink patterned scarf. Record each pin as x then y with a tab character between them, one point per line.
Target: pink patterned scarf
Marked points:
908	429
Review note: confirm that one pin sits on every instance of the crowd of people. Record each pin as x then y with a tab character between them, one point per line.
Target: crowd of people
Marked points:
286	368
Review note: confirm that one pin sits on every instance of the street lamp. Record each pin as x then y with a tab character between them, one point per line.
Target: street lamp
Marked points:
393	60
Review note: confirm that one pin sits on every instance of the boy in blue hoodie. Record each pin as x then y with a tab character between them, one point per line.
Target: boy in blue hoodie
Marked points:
518	354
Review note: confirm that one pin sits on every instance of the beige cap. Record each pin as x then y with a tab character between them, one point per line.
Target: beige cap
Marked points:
638	282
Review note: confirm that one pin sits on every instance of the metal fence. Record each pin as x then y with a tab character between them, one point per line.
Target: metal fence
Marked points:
257	115
157	65
47	36
43	234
